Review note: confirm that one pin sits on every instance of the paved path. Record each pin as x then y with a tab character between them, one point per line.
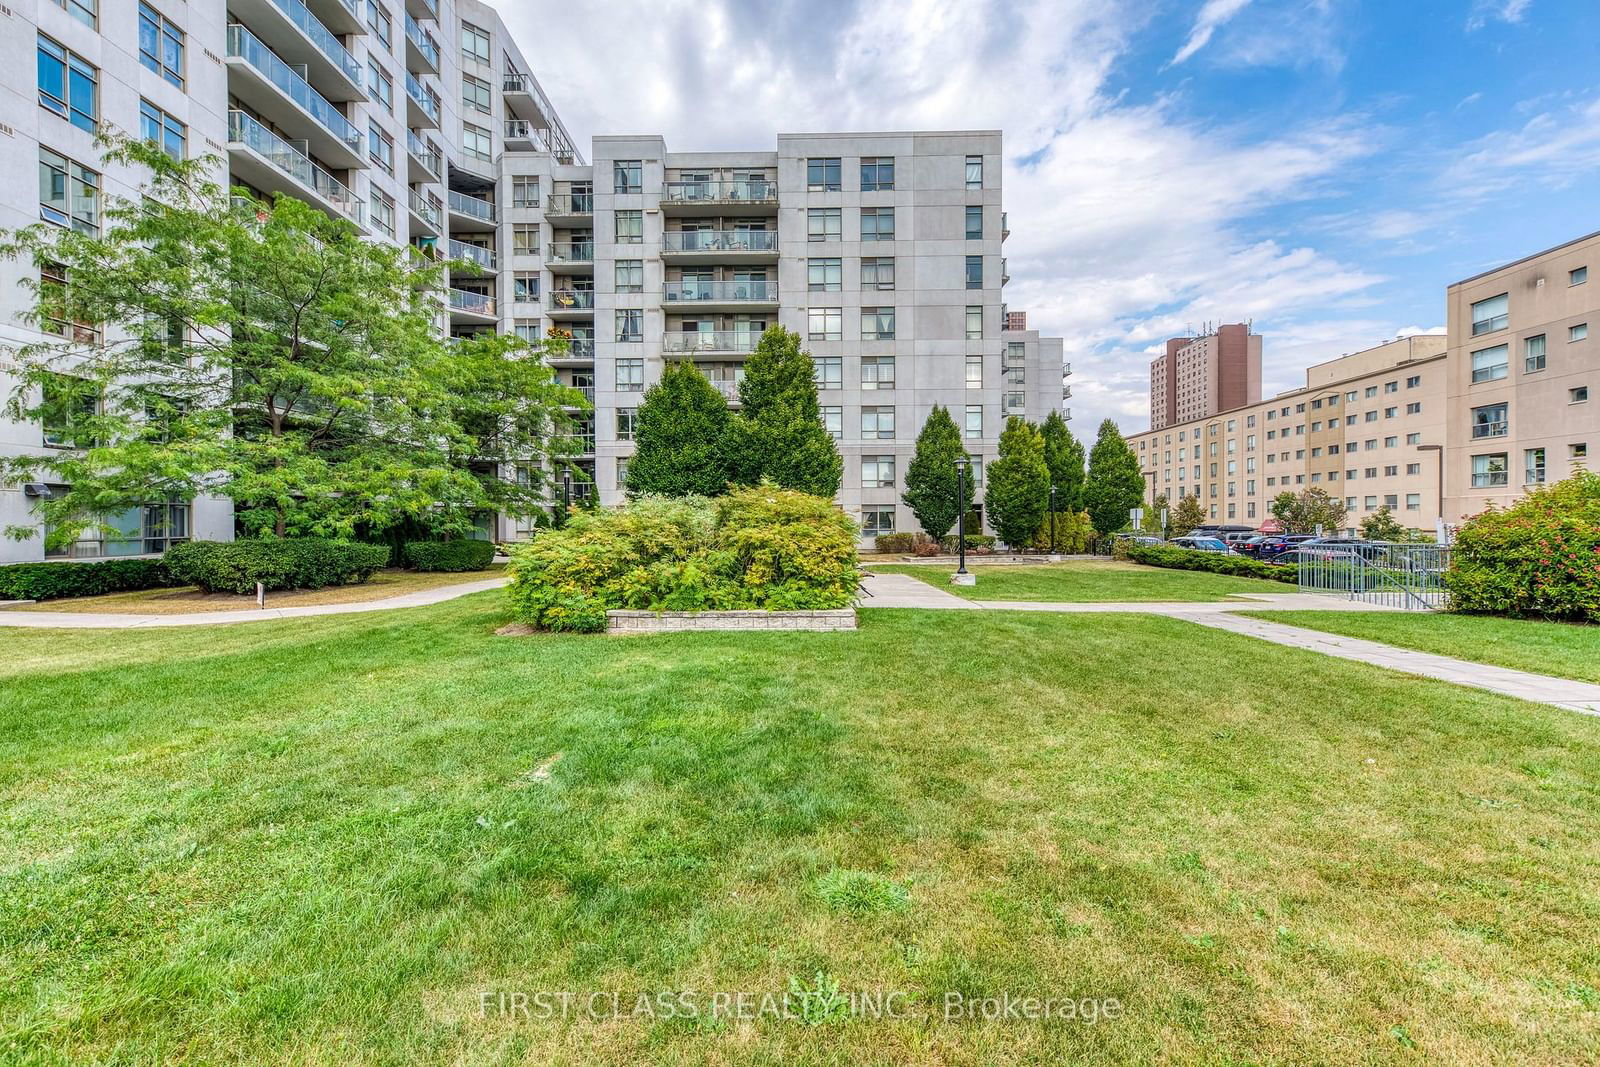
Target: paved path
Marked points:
904	591
119	621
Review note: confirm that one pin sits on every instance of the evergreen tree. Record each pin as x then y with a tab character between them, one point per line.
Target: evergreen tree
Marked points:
1187	515
1018	492
778	433
931	478
1114	483
679	435
1063	454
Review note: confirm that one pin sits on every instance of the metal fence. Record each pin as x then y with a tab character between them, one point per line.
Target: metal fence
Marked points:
1378	572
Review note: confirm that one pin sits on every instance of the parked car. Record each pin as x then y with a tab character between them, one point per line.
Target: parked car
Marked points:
1202	544
1303	554
1276	543
1348	546
1250	546
1139	539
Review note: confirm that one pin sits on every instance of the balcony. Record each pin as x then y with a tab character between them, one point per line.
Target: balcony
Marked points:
422	104
743	196
570	303
580	352
478	256
564	254
1005	226
471	307
585	391
709	246
260	77
423	9
262	158
471	212
729	390
1491	429
710	342
340	16
302	40
1005	275
426	156
1066	371
421	49
701	294
1066	392
426	216
569	206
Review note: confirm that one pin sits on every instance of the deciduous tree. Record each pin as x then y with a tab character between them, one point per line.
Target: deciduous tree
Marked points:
1303	512
1187	515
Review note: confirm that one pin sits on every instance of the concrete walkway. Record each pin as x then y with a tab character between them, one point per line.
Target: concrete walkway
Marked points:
106	620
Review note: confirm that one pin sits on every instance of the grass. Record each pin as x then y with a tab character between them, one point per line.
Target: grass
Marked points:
322	841
184	599
1562	649
1087	581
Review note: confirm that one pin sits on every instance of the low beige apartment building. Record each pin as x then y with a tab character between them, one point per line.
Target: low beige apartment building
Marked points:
1368	427
1522	367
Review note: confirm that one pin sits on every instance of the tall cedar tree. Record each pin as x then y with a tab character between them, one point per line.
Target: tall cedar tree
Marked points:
1114	484
931	480
679	436
1018	493
1187	515
268	354
1063	454
778	433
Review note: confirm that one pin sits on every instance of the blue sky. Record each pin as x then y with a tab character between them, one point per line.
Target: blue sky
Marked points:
1323	167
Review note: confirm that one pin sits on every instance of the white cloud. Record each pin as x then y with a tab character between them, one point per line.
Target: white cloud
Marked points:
1505	10
1213	14
1552	149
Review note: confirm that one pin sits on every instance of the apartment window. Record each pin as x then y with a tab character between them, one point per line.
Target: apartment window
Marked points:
974	322
1413	381
627	420
68	85
974	272
824	275
525	191
1533	354
380	84
476	94
823	224
833	420
825	324
630	275
1372	391
630	375
877	273
630	227
1390	442
822	175
974	421
477	142
160	45
877	324
630	325
1391	470
1489	364
622	472
877	520
69	193
527	329
974	172
1489	471
974	222
877	372
380	148
828	371
974	372
627	176
877	224
1489	315
877	472
524	239
380	22
383	213
1413	438
1578	451
474	42
877	174
85	11
877	423
1414	408
162	129
1578	276
1391	387
68	404
1578	395
1578	332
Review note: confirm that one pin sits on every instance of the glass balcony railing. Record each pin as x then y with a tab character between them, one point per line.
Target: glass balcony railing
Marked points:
242	129
431	6
473	303
423	40
691	292
580	348
478	208
743	190
243	44
425	151
322	37
428	102
425	209
729	390
571	252
483	257
572	300
710	340
569	204
719	241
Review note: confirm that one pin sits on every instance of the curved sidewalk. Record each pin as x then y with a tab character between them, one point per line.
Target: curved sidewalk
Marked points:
106	620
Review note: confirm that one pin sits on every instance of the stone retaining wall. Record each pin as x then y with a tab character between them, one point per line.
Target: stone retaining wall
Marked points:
650	622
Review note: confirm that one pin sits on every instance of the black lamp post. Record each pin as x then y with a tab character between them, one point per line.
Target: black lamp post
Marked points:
1052	520
961	511
566	494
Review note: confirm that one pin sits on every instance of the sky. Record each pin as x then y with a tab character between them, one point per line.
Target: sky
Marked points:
1322	168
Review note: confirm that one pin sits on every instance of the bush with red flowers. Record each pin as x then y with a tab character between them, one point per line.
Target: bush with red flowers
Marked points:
1539	558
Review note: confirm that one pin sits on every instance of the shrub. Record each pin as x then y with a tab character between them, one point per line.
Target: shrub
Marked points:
1538	558
927	547
1074	531
1189	559
980	544
52	581
755	548
895	543
465	554
305	563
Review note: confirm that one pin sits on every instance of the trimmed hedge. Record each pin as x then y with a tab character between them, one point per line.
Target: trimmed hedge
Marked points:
1190	559
1539	558
900	544
465	554
304	563
982	544
52	581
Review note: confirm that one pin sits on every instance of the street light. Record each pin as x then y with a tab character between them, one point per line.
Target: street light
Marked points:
566	494
962	577
1052	520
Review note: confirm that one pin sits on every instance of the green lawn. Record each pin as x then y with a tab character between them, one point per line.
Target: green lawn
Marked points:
1084	581
322	840
1562	649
